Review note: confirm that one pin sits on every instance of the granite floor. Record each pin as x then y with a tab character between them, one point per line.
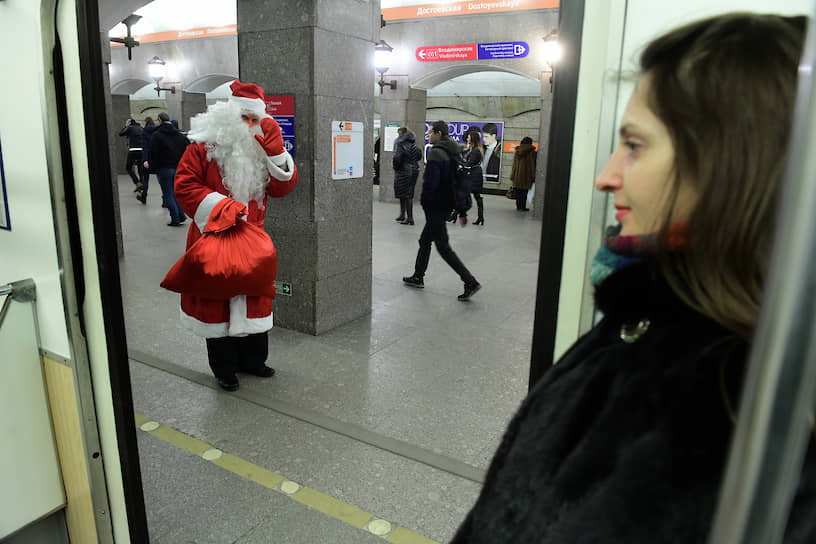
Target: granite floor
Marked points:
397	413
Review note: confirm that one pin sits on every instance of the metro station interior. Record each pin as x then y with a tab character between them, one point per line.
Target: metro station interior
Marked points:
388	403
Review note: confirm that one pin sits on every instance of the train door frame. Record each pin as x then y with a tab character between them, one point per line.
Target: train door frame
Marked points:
571	15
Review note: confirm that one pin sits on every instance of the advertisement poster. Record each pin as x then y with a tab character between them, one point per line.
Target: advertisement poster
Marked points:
390	137
5	223
347	149
491	164
282	109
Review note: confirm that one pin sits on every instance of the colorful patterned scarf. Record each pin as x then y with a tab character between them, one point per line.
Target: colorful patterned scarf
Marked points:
618	252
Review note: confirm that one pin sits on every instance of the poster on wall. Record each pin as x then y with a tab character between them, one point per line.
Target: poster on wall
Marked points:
282	109
5	223
491	164
347	149
390	136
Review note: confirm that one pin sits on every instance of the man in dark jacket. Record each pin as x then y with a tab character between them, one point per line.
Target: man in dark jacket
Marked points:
166	148
147	134
133	131
441	195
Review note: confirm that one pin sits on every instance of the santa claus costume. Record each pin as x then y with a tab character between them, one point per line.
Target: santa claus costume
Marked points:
236	152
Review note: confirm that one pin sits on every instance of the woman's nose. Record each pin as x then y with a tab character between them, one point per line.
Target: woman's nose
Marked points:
611	177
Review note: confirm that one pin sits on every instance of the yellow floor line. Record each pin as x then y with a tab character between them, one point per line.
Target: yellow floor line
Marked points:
337	509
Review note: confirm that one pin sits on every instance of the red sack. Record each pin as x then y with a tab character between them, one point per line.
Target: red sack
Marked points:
231	258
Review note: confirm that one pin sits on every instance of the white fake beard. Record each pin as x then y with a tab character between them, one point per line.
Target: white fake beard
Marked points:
231	143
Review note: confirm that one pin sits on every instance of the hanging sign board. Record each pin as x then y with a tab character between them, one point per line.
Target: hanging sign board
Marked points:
282	109
5	223
347	149
472	51
392	11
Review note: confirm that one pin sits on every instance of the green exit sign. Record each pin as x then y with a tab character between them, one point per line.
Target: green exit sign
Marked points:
283	288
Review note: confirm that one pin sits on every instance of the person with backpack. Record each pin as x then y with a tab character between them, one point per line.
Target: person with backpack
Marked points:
441	193
406	171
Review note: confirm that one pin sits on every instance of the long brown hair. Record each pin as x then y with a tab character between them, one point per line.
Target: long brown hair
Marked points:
724	87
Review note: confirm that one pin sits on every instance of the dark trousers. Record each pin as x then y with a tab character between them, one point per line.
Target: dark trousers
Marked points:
521	199
134	158
435	231
477	196
166	176
231	354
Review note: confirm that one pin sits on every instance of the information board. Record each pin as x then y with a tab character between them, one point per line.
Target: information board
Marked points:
347	149
282	109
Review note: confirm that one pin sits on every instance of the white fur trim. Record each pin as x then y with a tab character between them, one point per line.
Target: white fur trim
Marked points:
274	164
252	104
200	328
240	324
202	213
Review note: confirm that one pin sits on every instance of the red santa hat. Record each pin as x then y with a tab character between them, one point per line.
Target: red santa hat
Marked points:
249	96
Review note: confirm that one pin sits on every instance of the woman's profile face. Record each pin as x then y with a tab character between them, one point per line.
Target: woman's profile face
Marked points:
640	171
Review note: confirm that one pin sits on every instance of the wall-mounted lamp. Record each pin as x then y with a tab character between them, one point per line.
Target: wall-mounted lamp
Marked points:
157	68
552	52
382	62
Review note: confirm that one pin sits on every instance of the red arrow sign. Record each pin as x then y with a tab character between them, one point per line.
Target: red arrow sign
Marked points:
467	51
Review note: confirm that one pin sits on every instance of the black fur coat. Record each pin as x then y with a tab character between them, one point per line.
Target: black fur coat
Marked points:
625	442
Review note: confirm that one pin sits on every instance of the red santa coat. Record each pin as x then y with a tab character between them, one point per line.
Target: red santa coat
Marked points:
198	187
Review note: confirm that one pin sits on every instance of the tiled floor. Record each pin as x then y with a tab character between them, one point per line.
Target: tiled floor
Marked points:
422	371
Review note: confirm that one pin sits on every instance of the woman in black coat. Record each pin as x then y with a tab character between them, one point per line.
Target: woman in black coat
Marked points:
625	440
472	165
406	171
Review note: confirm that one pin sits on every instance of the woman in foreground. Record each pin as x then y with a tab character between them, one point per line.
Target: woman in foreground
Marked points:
626	438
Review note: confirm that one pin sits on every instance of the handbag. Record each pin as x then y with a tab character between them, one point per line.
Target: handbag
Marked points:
511	193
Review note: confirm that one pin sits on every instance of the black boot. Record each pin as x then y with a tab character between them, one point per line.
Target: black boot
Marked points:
409	212
402	210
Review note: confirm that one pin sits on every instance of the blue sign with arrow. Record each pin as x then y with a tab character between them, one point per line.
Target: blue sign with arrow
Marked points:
503	50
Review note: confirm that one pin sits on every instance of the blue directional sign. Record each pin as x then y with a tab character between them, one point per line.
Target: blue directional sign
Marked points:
503	50
287	126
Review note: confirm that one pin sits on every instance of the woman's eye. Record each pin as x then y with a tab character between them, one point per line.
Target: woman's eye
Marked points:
631	145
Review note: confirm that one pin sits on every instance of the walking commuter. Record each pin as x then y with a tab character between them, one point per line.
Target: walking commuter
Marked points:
147	133
626	438
406	171
439	196
237	158
133	132
167	145
522	174
472	165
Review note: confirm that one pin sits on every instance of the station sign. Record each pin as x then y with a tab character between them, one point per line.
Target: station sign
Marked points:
472	51
282	109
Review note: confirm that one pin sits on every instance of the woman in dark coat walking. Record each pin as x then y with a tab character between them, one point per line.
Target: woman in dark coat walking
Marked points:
626	439
406	171
523	172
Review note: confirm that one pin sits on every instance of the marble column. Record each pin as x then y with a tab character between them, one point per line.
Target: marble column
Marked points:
543	145
321	52
402	106
182	105
116	112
